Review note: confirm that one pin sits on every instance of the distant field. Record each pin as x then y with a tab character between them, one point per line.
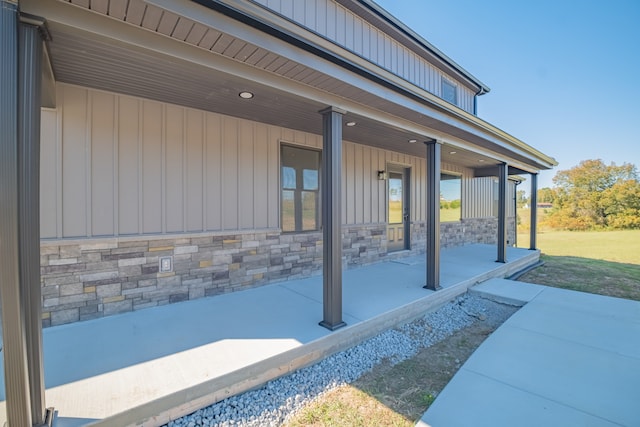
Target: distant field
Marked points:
604	262
619	246
448	215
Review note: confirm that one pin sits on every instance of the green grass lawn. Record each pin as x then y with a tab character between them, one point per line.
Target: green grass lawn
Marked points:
448	215
603	262
619	246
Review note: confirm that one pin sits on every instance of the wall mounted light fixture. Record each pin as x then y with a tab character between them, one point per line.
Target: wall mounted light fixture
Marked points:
382	175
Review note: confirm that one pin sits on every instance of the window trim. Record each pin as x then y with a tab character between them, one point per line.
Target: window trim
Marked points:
461	177
318	228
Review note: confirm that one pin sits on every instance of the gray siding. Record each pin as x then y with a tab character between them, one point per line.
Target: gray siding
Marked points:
116	165
133	166
348	30
480	195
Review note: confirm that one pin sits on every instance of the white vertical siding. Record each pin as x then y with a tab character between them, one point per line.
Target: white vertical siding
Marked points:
364	197
74	149
151	166
345	28
480	195
229	182
194	182
213	173
102	163
261	174
174	176
49	172
118	165
128	137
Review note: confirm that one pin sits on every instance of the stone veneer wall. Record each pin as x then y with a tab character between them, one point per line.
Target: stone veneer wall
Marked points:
483	230
87	279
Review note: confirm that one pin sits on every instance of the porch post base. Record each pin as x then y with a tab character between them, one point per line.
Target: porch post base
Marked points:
332	327
431	287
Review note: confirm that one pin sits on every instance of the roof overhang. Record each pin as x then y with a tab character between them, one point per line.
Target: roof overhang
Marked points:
293	72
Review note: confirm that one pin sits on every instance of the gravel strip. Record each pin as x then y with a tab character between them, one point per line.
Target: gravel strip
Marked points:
273	403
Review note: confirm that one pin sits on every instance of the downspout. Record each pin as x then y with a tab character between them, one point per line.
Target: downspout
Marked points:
480	92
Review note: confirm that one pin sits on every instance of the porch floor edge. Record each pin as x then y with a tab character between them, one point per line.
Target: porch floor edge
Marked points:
188	400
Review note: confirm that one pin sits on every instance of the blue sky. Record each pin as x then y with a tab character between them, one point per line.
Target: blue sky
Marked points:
564	74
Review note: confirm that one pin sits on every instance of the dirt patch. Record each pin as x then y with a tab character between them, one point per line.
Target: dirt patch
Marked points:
411	386
399	394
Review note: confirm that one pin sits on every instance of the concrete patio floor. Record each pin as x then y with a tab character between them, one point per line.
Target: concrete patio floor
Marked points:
565	359
153	365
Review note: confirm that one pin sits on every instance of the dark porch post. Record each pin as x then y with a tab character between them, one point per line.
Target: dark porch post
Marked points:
502	212
433	215
332	218
534	212
13	322
29	82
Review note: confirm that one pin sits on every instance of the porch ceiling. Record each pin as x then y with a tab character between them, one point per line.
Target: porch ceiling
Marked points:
87	58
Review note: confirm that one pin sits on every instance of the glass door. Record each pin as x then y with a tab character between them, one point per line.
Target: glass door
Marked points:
398	227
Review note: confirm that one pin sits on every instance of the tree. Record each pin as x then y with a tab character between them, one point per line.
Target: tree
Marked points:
594	195
521	198
622	203
546	195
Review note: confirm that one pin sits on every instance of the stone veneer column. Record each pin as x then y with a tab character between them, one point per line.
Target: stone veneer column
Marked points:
332	218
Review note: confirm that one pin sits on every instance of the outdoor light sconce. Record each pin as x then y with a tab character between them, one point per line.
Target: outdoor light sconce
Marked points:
382	175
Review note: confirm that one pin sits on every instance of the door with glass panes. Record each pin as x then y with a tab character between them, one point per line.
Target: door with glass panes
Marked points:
398	204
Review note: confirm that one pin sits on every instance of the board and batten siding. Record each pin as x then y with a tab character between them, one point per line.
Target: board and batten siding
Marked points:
348	30
481	196
116	165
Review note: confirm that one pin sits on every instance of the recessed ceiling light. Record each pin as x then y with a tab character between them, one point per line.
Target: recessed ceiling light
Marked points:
350	124
452	152
481	160
245	95
413	141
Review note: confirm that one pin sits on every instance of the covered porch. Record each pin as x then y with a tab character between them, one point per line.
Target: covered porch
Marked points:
150	366
241	62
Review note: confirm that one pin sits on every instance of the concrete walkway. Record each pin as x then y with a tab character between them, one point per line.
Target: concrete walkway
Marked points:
565	359
152	365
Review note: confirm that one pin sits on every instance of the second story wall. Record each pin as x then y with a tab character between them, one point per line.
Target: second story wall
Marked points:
342	26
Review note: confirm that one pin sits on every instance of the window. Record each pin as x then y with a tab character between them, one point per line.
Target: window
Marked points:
449	92
450	197
300	186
